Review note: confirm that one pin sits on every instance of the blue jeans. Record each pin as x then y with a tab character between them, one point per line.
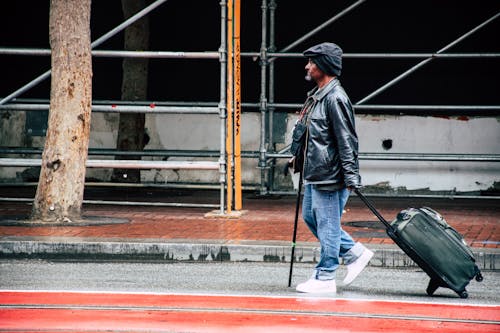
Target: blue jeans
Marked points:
322	211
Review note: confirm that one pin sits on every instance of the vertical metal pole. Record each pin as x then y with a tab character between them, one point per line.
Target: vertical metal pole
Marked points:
263	101
237	106
229	98
272	48
222	103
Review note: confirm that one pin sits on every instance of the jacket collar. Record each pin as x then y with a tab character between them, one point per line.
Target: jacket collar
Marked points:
318	94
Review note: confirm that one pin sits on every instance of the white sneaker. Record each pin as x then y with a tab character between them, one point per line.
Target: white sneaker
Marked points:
354	268
317	286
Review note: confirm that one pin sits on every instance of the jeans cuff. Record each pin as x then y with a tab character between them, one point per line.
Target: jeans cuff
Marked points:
354	253
324	275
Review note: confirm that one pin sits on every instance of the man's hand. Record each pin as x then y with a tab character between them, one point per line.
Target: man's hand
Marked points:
288	166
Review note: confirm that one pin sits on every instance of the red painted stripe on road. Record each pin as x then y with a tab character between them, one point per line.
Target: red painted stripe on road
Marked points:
206	322
304	304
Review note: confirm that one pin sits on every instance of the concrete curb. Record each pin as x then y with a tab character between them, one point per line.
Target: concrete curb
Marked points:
73	248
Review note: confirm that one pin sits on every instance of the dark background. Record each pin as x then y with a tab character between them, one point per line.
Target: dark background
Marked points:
376	26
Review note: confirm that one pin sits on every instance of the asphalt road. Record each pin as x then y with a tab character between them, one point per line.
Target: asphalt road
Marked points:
268	279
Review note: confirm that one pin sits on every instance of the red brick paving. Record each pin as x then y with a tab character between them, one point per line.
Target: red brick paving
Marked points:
265	220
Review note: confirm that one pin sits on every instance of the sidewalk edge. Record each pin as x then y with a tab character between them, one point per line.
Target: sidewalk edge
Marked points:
199	251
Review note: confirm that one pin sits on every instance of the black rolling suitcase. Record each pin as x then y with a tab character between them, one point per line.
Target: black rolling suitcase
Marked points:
432	244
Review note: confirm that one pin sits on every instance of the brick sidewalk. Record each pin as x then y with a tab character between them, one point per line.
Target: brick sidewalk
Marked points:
266	219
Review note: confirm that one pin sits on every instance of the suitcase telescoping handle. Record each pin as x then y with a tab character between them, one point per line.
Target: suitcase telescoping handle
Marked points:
373	209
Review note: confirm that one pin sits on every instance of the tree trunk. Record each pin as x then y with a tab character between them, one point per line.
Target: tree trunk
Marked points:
131	133
59	195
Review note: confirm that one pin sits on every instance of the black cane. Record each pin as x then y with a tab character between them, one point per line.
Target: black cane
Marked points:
295	230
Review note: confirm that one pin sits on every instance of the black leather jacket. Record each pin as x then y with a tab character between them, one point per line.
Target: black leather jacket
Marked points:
331	154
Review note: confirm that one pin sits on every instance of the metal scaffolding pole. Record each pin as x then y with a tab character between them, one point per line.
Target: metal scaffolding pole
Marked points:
212	108
424	62
272	48
283	153
215	55
263	99
150	109
222	103
125	203
96	43
118	54
122	164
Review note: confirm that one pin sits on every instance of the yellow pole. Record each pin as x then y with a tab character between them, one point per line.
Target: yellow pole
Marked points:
237	107
229	120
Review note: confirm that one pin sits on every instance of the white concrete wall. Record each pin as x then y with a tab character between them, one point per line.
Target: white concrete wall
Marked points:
430	135
409	134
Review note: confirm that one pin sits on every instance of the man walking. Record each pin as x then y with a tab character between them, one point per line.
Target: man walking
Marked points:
330	169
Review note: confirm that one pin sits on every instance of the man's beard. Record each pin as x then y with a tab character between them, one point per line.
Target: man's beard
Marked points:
308	77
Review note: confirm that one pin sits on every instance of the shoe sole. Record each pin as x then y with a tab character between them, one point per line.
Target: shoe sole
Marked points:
317	291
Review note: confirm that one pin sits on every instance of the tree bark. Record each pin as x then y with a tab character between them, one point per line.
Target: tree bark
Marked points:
131	131
59	194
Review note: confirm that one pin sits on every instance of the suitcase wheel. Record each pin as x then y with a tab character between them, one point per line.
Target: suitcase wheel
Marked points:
479	277
464	294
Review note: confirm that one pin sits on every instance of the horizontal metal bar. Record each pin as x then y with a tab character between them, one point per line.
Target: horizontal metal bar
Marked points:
156	54
118	53
120	164
114	152
152	108
154	204
155	109
125	203
212	108
395	107
409	195
421	55
415	157
417	110
427	107
24	51
147	152
388	55
122	102
215	55
283	154
431	157
140	164
167	185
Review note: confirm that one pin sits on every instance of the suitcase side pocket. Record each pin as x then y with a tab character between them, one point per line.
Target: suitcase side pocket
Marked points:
455	236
